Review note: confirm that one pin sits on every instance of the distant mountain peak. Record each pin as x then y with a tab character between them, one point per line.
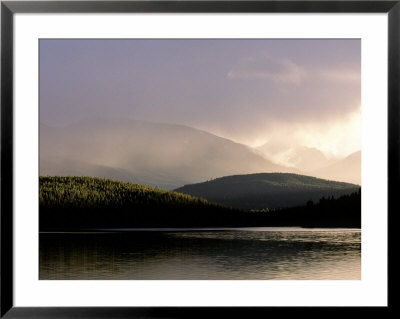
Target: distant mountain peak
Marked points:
347	169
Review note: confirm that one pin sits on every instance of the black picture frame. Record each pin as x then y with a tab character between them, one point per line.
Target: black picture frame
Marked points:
9	8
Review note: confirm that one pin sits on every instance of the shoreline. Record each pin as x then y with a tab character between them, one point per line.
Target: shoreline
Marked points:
189	229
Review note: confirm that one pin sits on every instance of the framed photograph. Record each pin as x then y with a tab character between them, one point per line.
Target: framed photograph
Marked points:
181	158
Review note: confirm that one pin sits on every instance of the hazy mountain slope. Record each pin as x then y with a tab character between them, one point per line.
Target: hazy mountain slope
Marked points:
307	159
156	154
314	162
304	158
268	190
53	166
347	169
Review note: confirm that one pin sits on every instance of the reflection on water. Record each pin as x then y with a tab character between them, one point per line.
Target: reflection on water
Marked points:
259	253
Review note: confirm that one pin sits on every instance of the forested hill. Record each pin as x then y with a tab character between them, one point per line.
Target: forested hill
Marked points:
86	202
267	190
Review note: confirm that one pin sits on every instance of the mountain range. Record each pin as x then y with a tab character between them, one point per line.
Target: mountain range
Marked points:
170	155
156	154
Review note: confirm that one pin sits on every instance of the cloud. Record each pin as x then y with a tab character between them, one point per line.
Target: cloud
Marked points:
278	70
337	137
345	75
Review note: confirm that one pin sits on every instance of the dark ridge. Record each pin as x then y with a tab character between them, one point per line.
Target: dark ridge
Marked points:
267	190
87	204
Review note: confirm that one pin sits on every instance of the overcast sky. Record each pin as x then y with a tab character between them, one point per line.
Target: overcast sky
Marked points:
290	92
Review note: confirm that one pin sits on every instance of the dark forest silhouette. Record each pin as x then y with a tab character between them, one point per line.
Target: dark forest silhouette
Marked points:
76	203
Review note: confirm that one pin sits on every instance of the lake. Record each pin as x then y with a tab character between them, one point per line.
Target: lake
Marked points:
263	253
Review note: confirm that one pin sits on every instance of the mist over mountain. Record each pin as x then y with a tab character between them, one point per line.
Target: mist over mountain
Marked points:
312	161
156	154
306	159
346	170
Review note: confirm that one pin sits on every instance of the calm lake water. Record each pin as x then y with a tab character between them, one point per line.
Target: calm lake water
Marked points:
246	253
